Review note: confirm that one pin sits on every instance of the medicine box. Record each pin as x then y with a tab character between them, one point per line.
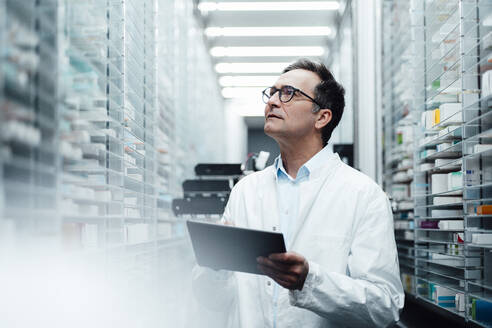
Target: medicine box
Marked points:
449	113
446	200
481	311
442	296
439	183
483	210
482	238
446	213
481	148
451	224
460	302
487	80
455	180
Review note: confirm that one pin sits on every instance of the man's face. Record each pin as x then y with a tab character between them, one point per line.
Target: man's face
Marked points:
293	119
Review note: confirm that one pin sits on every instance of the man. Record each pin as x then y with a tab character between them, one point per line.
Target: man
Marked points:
341	267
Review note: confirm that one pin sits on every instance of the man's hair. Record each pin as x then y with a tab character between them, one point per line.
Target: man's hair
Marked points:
328	93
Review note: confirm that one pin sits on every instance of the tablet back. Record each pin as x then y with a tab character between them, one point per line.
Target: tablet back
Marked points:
222	247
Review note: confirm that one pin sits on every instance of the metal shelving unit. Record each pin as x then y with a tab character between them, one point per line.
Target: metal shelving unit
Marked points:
402	76
451	156
477	161
28	103
100	122
91	148
3	149
165	118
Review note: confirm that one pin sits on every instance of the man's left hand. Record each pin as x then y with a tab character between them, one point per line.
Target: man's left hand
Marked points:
289	270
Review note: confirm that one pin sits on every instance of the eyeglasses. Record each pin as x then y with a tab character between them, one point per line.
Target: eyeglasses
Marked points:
285	94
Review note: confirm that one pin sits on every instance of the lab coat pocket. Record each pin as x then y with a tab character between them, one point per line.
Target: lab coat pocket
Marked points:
329	250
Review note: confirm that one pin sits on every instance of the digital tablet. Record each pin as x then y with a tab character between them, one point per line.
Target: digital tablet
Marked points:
223	247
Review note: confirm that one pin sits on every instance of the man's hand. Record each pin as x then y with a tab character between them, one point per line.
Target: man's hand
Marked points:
289	270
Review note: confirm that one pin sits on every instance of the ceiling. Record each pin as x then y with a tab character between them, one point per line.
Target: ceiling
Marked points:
239	32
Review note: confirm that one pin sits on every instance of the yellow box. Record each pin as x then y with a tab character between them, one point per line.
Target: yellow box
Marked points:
437	116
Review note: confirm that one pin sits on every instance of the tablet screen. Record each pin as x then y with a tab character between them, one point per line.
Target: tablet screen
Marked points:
223	247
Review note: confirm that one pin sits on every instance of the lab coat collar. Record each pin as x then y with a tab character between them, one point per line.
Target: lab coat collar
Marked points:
323	160
315	165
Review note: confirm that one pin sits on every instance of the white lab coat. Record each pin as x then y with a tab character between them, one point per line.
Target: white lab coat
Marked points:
345	231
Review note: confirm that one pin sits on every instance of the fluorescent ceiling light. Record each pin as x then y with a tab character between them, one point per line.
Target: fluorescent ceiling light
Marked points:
268	5
269	31
242	92
266	51
251	67
248	81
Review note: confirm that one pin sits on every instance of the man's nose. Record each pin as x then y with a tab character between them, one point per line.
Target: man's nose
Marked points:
274	100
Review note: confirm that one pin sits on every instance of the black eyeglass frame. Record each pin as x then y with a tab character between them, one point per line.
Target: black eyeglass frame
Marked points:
292	96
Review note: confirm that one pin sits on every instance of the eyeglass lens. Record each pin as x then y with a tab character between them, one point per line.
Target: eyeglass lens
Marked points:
285	93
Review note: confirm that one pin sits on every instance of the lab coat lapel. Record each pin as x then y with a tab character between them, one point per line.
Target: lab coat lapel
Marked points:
269	203
309	193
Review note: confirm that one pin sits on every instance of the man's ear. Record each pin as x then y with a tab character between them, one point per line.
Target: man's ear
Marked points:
324	116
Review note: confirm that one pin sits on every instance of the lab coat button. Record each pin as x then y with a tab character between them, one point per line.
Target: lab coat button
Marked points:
268	283
274	228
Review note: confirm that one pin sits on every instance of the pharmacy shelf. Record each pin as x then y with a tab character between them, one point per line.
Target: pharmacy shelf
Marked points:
452	120
399	52
93	146
28	102
432	302
450	193
456	253
440	230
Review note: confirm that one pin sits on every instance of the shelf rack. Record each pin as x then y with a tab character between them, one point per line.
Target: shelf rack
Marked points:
402	76
451	154
28	107
104	107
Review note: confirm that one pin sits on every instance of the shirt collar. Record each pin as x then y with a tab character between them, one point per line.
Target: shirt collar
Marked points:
313	164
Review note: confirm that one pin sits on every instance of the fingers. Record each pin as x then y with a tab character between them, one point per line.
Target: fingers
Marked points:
284	284
286	275
278	266
289	257
288	269
274	274
284	280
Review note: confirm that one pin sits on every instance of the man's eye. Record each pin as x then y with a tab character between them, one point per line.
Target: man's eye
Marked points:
272	91
287	91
